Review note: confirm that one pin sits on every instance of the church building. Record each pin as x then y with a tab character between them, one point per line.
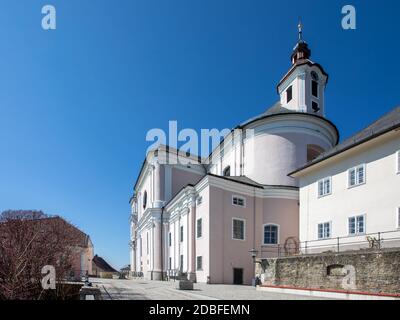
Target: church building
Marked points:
202	221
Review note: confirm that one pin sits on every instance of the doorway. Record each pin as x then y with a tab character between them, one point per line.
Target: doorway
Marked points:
237	276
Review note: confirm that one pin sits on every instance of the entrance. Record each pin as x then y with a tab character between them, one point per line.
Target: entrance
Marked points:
237	276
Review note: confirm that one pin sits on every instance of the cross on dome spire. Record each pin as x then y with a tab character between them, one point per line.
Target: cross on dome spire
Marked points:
300	27
301	50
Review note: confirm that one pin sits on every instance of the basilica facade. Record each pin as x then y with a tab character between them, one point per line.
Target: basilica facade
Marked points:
201	221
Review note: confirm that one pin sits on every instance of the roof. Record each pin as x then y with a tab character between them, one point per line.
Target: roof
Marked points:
299	63
275	109
390	121
278	110
102	264
240	179
168	149
81	239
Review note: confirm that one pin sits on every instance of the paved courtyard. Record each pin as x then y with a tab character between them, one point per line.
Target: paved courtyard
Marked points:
113	289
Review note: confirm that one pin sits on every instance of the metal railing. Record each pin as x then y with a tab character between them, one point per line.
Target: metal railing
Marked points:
366	241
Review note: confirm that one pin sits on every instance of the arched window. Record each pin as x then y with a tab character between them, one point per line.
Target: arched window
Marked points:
227	171
145	200
271	234
313	151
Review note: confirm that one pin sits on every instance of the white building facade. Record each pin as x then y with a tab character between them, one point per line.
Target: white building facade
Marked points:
350	196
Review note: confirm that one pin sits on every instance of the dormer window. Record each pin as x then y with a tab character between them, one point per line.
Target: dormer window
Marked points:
289	94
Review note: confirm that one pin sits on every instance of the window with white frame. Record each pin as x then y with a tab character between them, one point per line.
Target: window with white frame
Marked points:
169	239
271	234
356	175
238	201
170	263
199	228
357	225
238	229
199	263
324	187
324	230
398	161
181	234
398	217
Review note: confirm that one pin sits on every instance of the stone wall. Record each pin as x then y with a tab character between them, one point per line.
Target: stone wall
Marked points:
363	271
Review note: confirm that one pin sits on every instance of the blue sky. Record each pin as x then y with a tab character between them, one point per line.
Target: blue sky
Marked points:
76	103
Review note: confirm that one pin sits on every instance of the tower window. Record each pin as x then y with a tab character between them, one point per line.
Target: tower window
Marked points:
314	88
315	106
227	171
289	94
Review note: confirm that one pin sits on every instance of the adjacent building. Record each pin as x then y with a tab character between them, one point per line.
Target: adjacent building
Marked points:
101	268
352	191
82	249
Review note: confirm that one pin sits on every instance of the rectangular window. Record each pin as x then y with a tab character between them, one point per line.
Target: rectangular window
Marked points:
314	89
238	201
181	234
170	263
199	200
270	234
181	263
324	230
357	225
199	228
398	161
169	239
356	176
199	263
324	187
238	229
289	94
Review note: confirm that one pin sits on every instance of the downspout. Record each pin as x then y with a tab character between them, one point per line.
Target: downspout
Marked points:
161	247
254	218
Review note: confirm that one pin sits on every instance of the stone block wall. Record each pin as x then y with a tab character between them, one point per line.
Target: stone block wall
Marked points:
363	271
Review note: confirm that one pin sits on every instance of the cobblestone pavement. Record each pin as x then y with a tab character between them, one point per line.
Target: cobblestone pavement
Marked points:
164	290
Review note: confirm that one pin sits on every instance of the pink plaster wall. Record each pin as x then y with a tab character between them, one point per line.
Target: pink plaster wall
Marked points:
226	253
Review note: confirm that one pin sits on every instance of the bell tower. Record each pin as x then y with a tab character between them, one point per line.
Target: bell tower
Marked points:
302	88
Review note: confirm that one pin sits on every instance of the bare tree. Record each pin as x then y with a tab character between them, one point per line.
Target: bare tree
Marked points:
26	246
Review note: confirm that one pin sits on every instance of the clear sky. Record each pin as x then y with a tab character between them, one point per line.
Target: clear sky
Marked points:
76	103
